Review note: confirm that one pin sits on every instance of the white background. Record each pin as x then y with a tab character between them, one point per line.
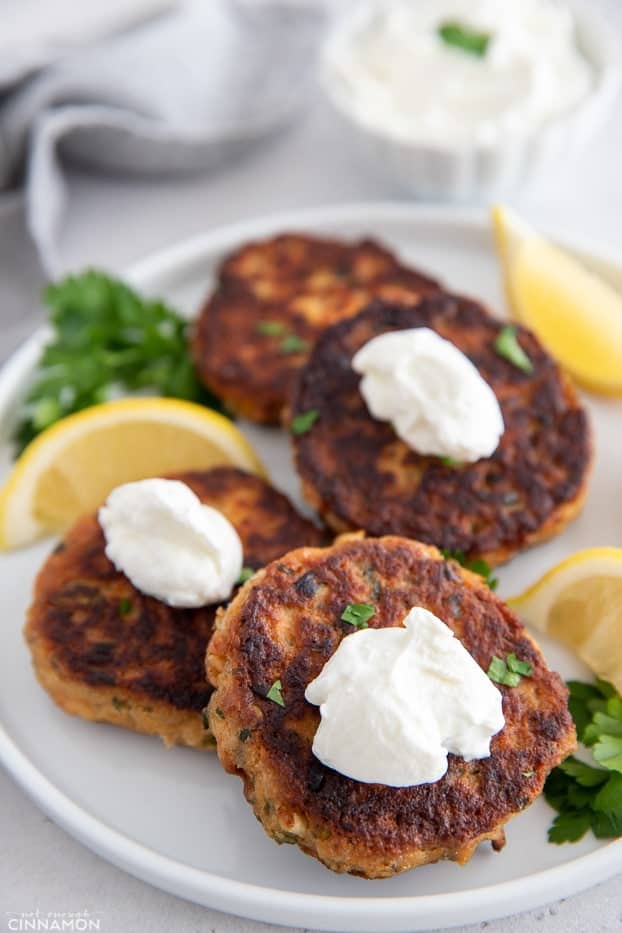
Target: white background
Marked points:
112	222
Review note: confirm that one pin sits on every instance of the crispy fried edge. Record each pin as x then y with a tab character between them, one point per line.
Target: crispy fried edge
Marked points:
117	705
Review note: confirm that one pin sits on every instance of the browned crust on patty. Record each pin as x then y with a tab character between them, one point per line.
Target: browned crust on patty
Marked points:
300	283
144	668
285	624
358	474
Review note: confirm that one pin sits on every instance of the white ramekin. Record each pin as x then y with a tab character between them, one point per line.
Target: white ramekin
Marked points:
480	172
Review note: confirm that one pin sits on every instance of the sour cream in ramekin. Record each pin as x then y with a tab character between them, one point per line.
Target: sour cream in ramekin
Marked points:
405	70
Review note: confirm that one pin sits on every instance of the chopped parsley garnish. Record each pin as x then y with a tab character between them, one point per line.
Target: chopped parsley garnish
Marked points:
477	565
509	672
107	340
516	666
588	797
304	421
275	693
270	328
205	717
293	344
290	343
450	462
507	346
498	672
465	37
245	574
125	606
358	614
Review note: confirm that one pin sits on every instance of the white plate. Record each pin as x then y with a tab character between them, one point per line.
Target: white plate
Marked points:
173	817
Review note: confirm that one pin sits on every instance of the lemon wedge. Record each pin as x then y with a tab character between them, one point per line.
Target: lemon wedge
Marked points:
576	314
70	468
579	601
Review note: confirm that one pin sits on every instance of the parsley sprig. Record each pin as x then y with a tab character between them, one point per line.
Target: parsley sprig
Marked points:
477	565
588	797
106	341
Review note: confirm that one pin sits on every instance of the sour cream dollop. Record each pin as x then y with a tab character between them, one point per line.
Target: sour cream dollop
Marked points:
395	701
398	74
171	546
431	393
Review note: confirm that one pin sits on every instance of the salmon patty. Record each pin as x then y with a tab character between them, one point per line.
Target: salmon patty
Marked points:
109	653
285	624
273	299
357	473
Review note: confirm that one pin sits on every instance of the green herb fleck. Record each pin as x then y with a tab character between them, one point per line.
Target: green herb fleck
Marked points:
508	672
244	734
285	569
119	704
524	668
285	839
219	712
477	565
507	346
450	462
497	670
358	614
270	328
588	797
293	344
465	38
107	340
125	606
275	693
304	421
205	718
245	574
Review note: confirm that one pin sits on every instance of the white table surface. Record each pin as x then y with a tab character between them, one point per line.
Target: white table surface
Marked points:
112	222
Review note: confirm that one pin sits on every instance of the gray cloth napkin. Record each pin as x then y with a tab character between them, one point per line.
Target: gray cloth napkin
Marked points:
180	93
